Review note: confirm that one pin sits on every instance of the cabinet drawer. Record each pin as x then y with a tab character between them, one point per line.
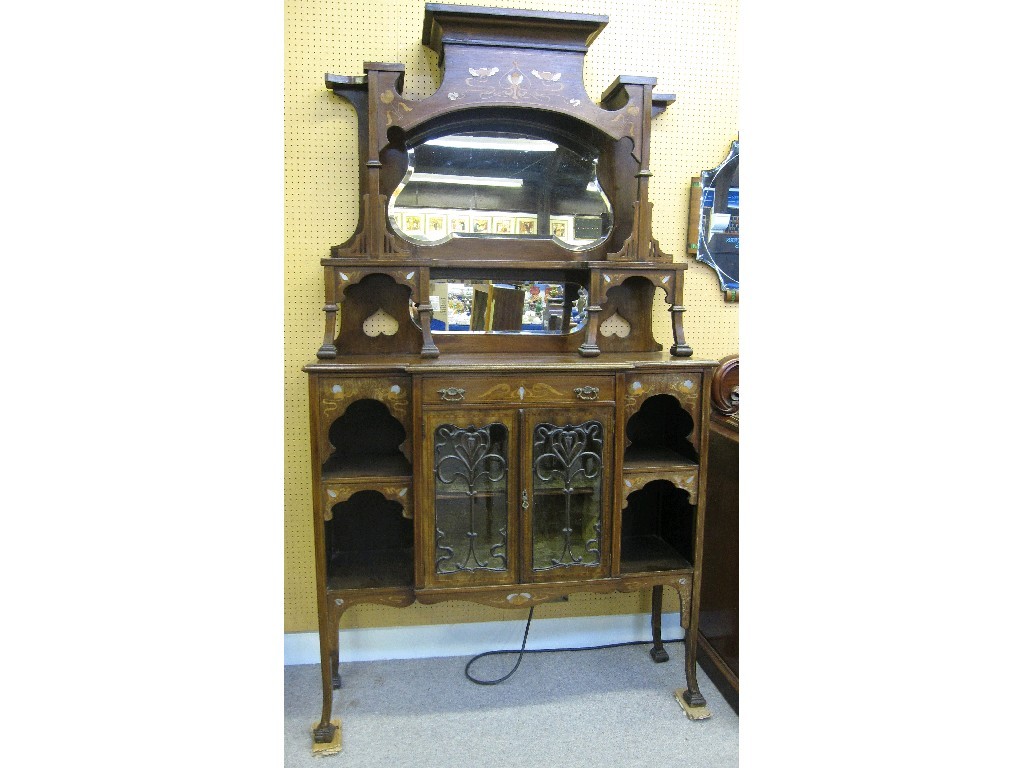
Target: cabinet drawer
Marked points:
505	390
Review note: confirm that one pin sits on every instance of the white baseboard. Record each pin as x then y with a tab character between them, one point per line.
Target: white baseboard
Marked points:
427	641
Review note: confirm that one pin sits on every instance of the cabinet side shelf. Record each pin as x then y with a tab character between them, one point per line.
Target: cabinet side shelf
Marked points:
648	554
373	569
389	468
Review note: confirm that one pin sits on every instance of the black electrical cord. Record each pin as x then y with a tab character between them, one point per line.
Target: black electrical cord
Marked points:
522	650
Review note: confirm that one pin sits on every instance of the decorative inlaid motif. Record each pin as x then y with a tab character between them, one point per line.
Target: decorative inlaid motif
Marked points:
630	115
337	395
522	392
685	589
684	478
345	279
336	493
490	83
685	389
393	393
499	599
376	597
661	280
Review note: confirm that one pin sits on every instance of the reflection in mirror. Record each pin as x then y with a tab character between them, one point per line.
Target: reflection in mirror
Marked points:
483	306
500	185
718	235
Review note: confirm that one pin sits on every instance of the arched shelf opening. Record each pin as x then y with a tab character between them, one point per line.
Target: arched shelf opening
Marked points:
658	435
366	439
657	529
368	543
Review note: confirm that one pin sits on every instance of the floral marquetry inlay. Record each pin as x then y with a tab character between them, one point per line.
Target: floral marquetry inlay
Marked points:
512	84
336	493
395	599
686	389
337	394
684	587
684	478
613	279
346	279
523	393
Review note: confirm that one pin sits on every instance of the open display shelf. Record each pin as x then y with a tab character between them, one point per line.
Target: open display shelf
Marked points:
369	543
657	530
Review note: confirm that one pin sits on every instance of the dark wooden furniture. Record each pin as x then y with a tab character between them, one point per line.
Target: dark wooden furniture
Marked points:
491	417
718	638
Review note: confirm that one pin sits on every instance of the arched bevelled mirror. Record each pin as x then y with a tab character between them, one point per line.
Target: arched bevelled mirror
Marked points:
500	185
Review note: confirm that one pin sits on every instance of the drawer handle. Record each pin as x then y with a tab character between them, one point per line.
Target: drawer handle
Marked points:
587	393
452	394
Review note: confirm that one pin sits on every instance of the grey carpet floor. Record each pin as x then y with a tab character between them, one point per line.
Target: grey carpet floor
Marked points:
612	707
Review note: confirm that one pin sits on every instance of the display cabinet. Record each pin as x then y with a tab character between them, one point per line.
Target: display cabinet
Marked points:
718	637
492	418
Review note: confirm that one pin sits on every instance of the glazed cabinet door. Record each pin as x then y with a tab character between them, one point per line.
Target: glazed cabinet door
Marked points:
567	487
472	532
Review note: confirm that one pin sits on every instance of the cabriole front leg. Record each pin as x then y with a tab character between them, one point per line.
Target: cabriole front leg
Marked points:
335	665
326	731
323	733
692	694
690	699
335	624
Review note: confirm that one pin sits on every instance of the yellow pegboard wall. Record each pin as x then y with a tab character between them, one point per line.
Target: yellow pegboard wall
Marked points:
689	46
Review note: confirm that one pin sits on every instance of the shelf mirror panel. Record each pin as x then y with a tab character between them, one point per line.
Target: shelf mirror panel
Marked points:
500	185
499	306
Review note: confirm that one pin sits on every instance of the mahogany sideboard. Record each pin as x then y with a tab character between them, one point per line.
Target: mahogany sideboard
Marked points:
491	416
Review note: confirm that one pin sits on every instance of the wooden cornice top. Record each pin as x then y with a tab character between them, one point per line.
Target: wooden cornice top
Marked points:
508	28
